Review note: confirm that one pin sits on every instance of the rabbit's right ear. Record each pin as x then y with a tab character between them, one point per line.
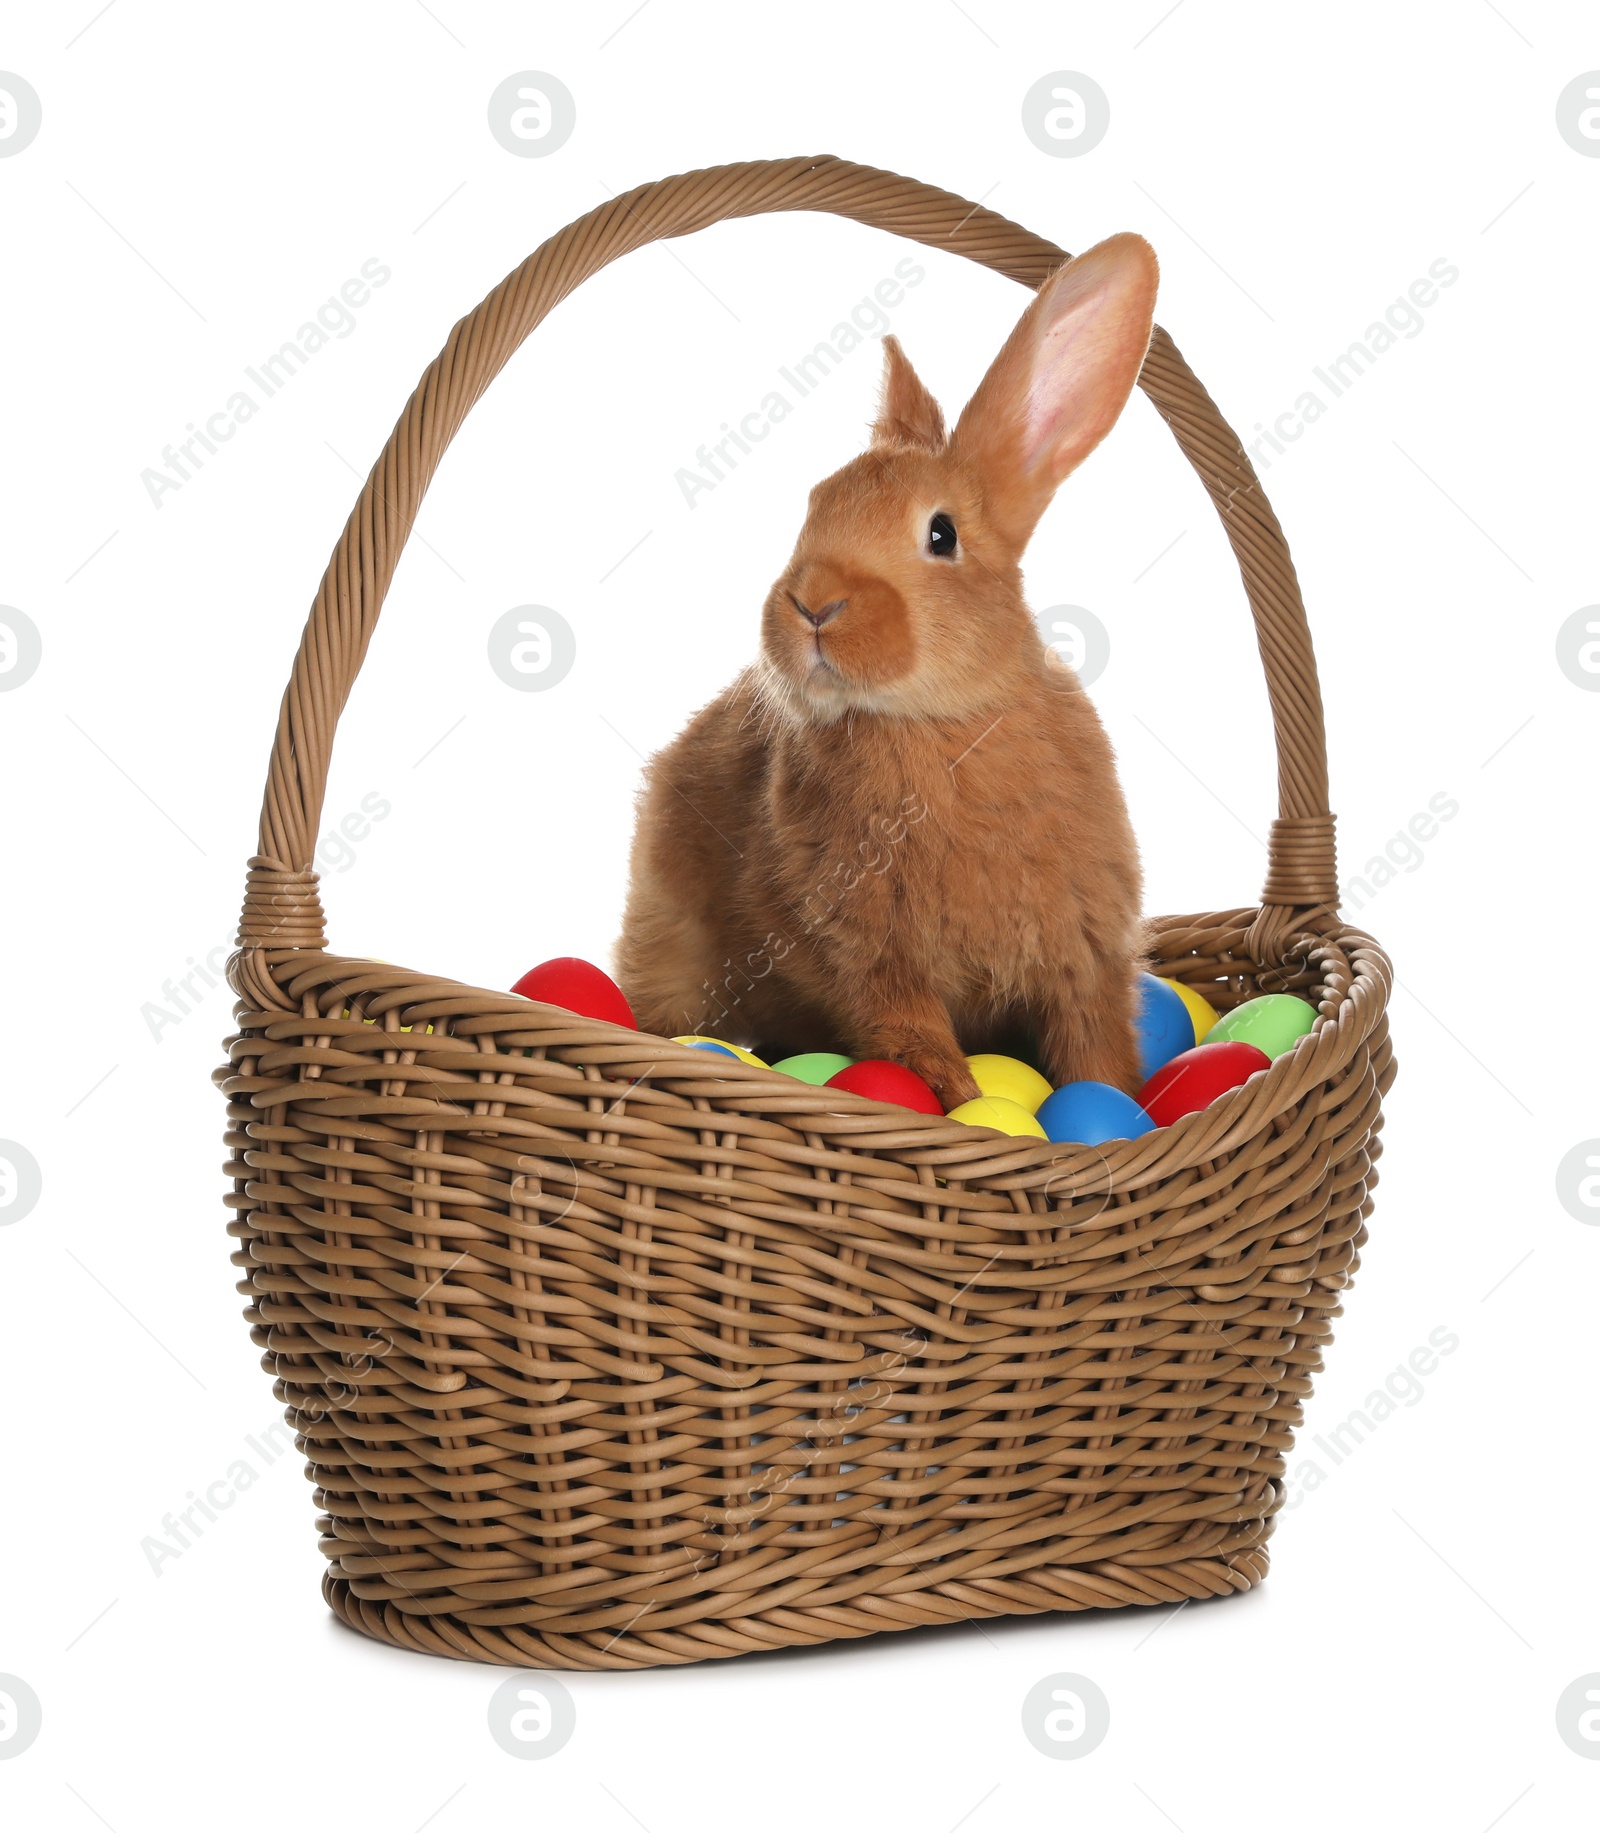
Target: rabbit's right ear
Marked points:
1057	387
907	413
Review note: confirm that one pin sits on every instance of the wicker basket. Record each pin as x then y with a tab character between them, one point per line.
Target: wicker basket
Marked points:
607	1353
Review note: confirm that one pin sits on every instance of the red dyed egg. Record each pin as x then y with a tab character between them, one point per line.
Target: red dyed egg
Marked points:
580	987
879	1080
1194	1078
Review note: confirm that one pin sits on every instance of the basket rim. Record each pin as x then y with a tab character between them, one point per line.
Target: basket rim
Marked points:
977	1155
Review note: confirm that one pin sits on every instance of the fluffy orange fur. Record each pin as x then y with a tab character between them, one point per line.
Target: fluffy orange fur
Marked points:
900	833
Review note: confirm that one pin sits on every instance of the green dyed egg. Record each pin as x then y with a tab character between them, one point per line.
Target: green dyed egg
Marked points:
814	1066
1274	1023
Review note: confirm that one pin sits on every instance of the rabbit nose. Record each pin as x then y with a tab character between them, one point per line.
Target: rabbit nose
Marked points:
825	614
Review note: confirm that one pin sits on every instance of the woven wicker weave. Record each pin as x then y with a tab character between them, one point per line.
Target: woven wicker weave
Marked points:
606	1352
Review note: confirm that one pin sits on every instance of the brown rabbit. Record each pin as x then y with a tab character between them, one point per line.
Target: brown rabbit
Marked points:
900	834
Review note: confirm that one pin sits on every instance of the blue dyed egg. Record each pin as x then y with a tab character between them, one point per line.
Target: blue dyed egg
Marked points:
1090	1113
1161	1023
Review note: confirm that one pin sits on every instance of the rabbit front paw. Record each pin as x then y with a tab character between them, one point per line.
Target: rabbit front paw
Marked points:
946	1071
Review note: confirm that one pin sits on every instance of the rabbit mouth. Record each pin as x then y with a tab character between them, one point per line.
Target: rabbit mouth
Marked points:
811	688
823	692
818	684
808	661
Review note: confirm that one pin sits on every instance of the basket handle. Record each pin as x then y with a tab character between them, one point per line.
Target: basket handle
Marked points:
282	908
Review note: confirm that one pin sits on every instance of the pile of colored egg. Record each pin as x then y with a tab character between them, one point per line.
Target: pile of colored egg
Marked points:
1187	1055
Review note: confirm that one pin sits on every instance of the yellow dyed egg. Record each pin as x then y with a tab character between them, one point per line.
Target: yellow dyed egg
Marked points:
1010	1080
1201	1012
716	1043
372	1021
997	1112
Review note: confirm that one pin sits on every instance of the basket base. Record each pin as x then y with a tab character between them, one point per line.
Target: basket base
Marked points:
1046	1588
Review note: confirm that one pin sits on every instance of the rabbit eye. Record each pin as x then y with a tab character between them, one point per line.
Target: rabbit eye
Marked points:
942	537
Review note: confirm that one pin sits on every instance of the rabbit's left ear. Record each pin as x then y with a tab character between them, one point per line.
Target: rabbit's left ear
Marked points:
1064	375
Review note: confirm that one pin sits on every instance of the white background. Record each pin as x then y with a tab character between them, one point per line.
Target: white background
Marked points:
205	178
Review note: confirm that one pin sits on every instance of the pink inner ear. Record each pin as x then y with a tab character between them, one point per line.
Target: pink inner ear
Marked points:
1084	368
1060	381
